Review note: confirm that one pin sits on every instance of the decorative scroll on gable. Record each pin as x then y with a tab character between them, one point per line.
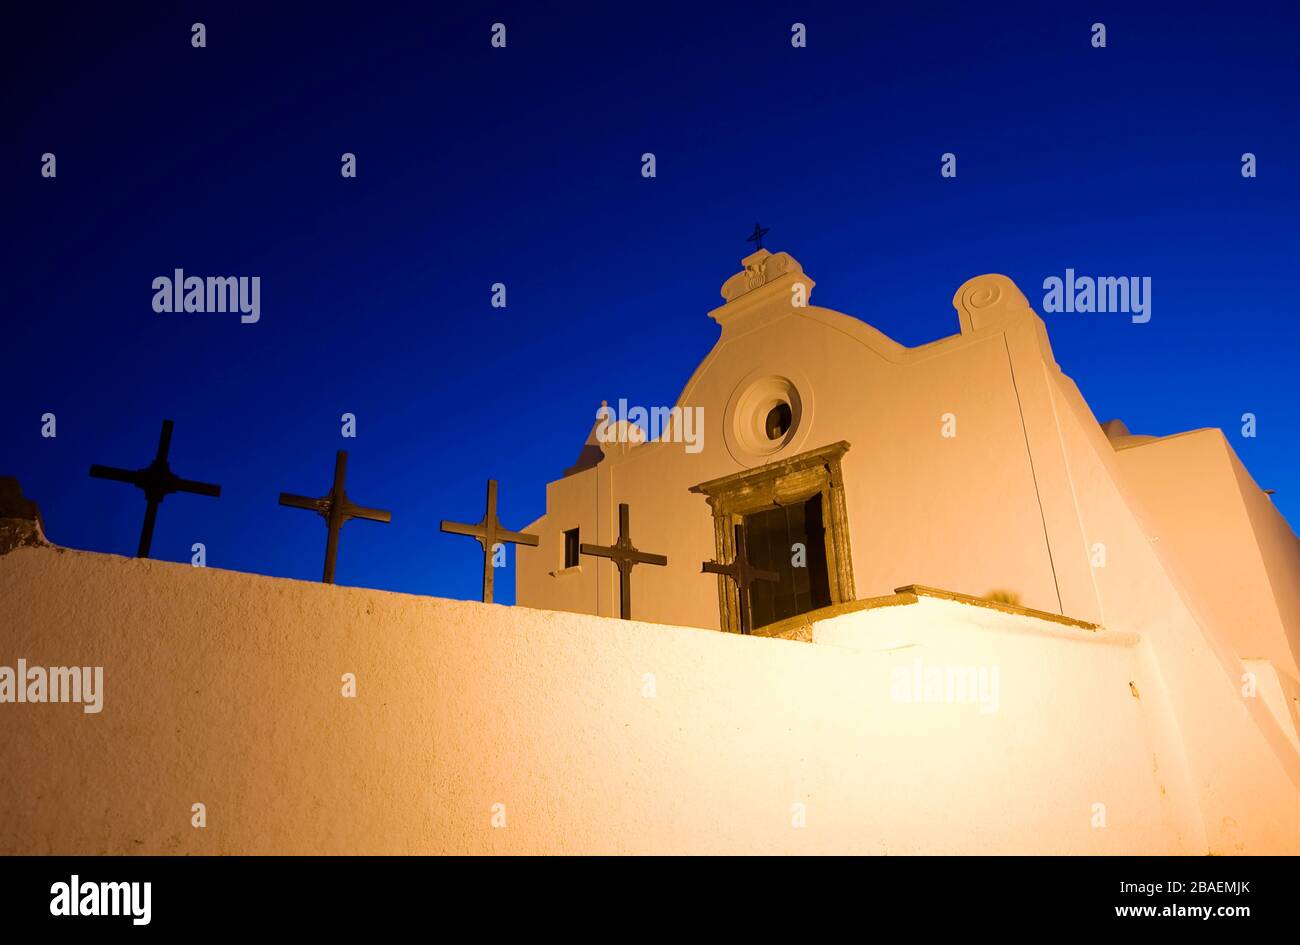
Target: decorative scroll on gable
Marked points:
987	299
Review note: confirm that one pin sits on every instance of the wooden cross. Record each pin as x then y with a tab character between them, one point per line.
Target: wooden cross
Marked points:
625	557
757	236
489	534
158	481
336	508
742	573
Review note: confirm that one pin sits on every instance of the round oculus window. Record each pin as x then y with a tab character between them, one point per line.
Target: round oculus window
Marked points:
766	415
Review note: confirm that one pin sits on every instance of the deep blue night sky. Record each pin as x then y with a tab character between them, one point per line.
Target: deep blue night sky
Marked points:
522	165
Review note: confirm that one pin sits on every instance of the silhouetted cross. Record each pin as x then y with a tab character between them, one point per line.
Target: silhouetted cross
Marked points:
489	534
336	508
757	236
742	573
158	481
625	557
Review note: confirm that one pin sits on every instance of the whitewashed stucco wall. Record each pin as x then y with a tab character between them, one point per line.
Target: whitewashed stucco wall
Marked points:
224	688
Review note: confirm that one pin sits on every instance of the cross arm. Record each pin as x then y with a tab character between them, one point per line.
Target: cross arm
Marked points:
460	528
201	488
645	557
371	515
304	502
116	475
518	538
619	554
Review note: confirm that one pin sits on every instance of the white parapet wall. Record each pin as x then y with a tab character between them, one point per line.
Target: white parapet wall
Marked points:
489	729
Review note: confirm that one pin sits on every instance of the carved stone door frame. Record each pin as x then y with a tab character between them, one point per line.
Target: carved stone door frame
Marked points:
782	483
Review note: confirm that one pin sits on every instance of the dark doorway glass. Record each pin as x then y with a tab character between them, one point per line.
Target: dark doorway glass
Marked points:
772	535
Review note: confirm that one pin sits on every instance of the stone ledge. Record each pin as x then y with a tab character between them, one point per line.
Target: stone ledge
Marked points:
920	590
799	627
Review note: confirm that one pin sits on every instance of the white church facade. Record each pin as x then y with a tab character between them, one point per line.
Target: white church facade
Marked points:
857	466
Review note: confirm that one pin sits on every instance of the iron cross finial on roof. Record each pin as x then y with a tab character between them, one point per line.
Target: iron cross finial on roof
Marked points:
757	236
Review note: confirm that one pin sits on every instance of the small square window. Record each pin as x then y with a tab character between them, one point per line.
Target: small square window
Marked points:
571	548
